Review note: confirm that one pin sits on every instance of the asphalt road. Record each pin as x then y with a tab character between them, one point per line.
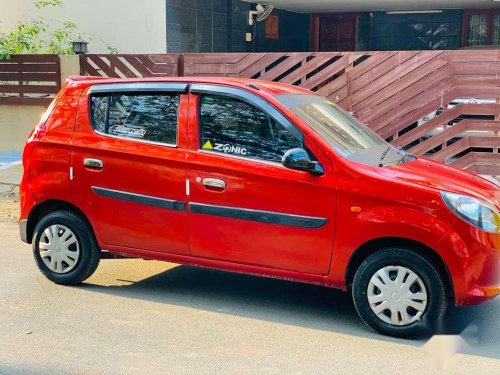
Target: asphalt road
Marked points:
144	317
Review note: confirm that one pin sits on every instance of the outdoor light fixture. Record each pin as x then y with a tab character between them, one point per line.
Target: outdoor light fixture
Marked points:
414	11
79	46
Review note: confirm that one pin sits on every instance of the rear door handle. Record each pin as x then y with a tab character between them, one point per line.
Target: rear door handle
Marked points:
214	183
93	163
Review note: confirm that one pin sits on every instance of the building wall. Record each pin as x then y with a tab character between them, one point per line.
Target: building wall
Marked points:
17	121
221	25
239	26
197	25
421	31
293	33
131	26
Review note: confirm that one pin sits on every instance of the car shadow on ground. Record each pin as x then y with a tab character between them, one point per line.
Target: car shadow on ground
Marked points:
292	303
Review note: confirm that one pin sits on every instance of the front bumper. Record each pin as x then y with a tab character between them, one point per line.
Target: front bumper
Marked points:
474	264
481	294
483	278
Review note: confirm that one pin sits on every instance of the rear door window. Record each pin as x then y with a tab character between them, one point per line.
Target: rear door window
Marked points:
147	117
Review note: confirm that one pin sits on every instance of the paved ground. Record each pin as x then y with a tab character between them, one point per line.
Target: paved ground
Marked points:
137	316
141	317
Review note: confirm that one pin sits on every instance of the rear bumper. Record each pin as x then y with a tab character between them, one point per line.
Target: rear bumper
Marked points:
23	230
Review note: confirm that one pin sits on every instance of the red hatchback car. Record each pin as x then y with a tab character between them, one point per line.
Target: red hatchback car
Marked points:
260	178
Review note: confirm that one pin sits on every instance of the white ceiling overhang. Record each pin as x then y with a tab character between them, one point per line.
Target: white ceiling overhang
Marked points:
322	6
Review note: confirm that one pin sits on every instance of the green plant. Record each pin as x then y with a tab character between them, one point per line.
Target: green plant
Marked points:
40	35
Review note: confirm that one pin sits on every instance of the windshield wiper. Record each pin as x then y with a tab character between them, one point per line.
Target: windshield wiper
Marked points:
406	156
383	156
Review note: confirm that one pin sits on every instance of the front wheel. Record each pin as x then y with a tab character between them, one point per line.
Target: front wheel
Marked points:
64	248
399	293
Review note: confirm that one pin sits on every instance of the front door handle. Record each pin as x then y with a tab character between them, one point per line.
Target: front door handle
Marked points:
214	183
93	163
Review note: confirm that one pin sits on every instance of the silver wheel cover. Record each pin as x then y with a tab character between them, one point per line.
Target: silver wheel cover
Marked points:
59	248
397	295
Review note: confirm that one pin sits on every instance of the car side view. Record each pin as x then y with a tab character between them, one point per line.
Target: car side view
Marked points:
260	178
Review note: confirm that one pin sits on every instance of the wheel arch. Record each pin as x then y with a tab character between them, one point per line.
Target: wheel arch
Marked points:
46	207
377	244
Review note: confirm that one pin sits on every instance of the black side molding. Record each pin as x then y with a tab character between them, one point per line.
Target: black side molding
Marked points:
168	204
257	215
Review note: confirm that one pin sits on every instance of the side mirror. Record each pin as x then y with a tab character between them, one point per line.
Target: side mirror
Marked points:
298	158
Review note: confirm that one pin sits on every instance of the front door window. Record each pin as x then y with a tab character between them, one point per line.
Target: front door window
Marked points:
234	127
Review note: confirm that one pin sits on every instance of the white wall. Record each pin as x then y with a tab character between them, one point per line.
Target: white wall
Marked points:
131	26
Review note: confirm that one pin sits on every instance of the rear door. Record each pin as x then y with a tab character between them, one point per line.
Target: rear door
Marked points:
244	205
129	167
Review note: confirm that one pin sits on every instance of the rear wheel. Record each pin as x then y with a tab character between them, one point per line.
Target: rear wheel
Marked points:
398	292
64	248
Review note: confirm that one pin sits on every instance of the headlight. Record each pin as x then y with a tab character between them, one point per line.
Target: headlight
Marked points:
477	213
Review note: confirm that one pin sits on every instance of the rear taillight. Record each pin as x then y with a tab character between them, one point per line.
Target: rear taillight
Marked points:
35	136
37	133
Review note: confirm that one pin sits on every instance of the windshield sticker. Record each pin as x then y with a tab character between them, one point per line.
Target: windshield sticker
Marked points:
226	148
207	145
128	131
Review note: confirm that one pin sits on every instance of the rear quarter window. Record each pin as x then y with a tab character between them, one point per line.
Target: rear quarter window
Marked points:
149	117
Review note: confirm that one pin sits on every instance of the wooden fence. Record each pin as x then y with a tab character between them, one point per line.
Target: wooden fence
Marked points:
408	97
29	79
392	92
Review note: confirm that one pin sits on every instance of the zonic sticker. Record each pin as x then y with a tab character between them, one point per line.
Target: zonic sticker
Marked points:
128	131
226	148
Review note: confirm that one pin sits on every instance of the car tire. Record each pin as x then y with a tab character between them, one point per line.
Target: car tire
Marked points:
384	289
64	248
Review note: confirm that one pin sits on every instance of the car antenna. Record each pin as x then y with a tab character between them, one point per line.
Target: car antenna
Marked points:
253	85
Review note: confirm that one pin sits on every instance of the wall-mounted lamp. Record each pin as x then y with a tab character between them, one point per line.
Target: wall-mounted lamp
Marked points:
79	46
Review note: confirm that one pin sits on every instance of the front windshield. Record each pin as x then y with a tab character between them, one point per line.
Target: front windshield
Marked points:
345	134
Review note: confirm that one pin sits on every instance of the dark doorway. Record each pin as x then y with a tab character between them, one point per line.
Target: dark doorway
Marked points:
335	32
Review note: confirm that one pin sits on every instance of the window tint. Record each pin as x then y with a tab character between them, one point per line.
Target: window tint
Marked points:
98	112
234	127
147	117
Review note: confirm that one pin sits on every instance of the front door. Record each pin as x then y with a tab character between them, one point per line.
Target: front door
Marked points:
129	169
244	205
337	33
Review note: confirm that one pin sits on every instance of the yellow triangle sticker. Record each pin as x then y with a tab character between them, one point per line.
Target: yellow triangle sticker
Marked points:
207	145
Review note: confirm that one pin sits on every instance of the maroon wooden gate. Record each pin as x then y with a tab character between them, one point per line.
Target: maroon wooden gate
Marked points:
29	79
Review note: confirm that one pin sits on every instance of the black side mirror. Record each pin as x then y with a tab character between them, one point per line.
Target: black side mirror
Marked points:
298	158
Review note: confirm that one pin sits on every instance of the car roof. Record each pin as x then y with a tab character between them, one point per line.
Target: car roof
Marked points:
272	88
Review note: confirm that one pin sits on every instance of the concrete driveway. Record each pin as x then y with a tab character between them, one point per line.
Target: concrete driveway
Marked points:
142	317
